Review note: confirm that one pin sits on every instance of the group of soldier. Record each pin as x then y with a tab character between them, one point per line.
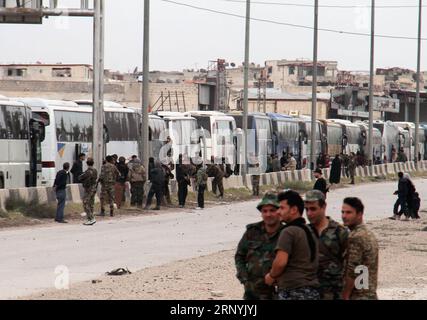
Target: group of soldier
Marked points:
283	257
116	172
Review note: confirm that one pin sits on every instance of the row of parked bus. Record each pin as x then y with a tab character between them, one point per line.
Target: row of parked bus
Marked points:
37	136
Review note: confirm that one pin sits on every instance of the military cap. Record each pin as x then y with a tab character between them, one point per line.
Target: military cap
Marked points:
314	195
269	198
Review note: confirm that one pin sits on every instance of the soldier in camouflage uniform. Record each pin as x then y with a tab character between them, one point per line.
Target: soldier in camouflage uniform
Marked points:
361	256
107	178
215	171
137	178
332	245
351	167
255	180
167	168
255	252
89	180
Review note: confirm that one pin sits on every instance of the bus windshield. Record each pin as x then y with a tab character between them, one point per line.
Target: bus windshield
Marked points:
41	116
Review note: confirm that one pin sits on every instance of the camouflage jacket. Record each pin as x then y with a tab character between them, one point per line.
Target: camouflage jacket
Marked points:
332	245
109	174
137	173
255	254
351	164
215	171
362	252
89	178
202	177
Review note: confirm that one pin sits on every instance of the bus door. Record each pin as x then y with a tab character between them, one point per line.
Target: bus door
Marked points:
37	136
302	146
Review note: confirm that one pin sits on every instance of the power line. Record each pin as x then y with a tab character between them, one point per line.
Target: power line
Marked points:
291	4
289	24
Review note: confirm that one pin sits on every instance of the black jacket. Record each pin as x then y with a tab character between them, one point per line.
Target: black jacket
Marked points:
124	171
321	185
403	188
61	180
77	171
157	177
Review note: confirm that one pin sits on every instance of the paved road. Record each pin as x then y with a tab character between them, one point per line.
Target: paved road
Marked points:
29	256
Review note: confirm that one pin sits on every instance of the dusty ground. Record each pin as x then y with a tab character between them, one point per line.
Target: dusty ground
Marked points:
73	211
402	273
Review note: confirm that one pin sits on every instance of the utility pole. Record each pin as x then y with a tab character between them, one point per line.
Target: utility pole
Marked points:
417	99
314	87
371	87
145	86
98	84
245	88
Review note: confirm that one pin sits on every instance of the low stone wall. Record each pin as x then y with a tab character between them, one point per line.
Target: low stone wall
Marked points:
75	192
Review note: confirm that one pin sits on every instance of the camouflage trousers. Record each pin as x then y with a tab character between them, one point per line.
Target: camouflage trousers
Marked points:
257	292
304	293
89	202
330	293
137	193
217	184
107	196
255	185
166	195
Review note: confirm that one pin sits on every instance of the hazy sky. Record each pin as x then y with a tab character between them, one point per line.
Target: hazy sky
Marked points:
183	37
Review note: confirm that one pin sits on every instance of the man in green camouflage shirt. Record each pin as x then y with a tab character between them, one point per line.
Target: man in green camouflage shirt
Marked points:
332	244
361	256
107	178
255	252
89	180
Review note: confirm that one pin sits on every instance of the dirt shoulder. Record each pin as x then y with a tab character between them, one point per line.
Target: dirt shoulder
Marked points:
402	273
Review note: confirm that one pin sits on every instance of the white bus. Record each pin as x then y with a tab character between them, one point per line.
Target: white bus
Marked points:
156	135
410	127
352	136
68	132
184	134
305	131
377	146
392	138
20	137
220	129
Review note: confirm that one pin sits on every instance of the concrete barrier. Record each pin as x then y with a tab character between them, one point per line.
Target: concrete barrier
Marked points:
390	168
281	177
359	172
306	175
288	176
274	178
75	192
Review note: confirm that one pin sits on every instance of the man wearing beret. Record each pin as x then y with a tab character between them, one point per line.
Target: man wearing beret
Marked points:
255	252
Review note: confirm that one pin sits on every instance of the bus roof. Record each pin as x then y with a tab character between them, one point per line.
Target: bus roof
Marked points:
107	104
405	124
169	114
278	116
36	102
11	103
205	113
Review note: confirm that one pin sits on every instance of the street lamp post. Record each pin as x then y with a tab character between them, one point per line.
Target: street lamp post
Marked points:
145	86
371	86
245	89
417	99
314	87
